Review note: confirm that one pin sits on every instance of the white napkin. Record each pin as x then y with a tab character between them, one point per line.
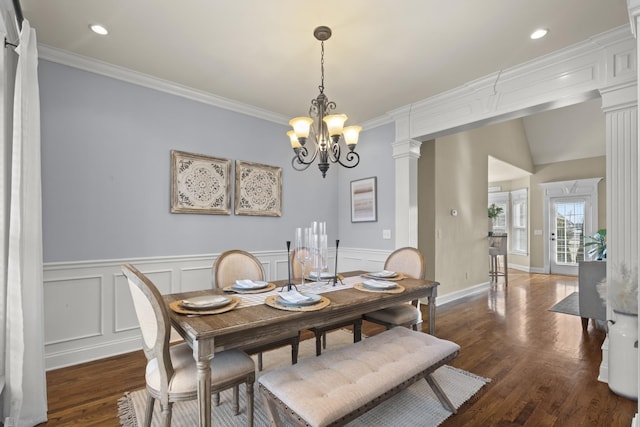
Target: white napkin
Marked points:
323	275
384	273
380	284
205	301
246	284
294	297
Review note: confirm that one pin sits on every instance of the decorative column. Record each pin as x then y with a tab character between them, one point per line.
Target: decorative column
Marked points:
621	114
406	154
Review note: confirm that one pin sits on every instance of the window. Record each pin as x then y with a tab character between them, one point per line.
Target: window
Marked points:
519	222
501	199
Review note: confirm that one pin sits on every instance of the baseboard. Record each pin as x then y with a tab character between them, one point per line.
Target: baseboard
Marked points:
74	356
463	293
526	268
603	373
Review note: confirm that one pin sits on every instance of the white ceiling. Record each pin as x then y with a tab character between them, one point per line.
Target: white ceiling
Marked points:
383	54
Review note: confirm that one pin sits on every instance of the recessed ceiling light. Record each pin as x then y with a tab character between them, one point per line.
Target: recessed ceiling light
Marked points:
539	33
99	29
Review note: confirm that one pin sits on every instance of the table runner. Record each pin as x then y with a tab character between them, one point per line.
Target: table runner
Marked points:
248	300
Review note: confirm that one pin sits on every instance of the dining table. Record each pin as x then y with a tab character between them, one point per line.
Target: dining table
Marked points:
252	322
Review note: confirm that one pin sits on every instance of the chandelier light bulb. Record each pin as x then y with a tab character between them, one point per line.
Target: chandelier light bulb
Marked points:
294	140
301	126
335	123
351	134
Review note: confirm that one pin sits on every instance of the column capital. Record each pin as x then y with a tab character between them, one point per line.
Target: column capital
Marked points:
634	13
406	148
619	97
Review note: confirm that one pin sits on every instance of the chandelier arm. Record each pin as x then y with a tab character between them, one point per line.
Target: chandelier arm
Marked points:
297	165
352	158
304	157
334	152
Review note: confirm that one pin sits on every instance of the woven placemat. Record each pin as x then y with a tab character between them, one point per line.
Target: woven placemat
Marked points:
178	308
397	290
272	301
268	288
400	276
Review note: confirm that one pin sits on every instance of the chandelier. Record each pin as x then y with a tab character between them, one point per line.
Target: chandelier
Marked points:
318	136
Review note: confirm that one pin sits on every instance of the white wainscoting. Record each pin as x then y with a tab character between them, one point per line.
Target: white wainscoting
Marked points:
88	310
89	314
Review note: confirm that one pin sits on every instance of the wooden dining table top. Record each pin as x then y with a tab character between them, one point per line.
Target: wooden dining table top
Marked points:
249	325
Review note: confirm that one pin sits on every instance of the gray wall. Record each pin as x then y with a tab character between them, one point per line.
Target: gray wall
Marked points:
376	159
106	173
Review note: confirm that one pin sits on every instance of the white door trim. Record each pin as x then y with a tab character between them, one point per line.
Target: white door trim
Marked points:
578	187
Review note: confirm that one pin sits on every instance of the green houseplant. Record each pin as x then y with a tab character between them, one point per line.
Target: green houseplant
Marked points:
598	243
494	211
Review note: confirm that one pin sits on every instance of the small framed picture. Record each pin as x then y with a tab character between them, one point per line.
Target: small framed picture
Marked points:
364	204
200	184
258	189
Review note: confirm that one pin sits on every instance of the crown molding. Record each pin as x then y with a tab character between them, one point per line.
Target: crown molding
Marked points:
92	65
564	77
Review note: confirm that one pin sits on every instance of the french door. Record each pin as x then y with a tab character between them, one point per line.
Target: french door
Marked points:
569	221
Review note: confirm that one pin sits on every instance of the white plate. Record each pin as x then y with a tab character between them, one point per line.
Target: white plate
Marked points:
379	285
311	299
249	285
206	302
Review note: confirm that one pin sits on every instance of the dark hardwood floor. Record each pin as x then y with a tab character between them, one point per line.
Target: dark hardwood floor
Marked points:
543	367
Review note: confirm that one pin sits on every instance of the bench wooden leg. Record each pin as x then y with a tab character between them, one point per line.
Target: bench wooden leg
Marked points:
585	323
318	343
272	411
357	330
444	399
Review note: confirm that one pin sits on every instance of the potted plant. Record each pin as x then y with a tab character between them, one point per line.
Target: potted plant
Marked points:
494	211
598	242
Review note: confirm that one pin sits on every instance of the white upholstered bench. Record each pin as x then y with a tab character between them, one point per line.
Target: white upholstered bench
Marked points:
342	384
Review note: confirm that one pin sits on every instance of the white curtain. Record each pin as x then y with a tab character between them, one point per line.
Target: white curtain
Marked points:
24	396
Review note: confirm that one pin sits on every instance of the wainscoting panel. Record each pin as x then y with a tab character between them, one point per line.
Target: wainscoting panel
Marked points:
194	279
88	309
69	299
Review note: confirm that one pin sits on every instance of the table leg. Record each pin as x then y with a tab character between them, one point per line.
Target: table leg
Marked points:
203	353
204	392
431	300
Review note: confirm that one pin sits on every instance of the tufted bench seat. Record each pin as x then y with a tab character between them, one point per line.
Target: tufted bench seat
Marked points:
342	384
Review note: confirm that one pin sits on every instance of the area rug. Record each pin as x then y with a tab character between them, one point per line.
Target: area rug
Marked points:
417	405
568	305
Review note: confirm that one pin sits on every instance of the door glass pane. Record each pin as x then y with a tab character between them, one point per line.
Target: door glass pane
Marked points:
569	231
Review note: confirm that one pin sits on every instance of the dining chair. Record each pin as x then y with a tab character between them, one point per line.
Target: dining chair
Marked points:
171	372
410	262
236	264
320	333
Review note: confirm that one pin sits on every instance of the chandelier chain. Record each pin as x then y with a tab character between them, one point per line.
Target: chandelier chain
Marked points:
321	87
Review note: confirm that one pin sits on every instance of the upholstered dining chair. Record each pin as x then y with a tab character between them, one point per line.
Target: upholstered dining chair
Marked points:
410	262
171	369
321	333
236	264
